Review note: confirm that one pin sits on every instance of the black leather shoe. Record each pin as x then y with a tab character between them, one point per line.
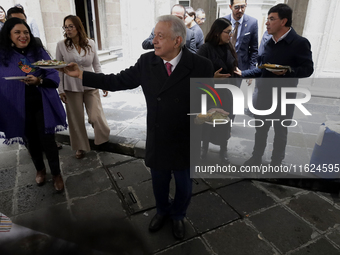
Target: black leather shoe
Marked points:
253	161
178	229
157	222
224	157
276	162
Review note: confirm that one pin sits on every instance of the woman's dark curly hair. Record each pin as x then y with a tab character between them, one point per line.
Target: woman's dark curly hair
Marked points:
83	39
6	44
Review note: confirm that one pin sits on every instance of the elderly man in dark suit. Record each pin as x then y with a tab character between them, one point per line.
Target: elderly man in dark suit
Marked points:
190	40
286	48
245	34
165	79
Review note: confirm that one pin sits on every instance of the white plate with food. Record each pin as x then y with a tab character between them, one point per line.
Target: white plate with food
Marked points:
219	115
49	64
15	78
275	70
51	67
219	121
275	67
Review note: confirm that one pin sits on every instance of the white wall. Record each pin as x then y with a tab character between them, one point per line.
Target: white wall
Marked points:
321	28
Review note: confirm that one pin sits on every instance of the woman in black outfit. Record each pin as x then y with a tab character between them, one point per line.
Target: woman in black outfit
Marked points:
222	54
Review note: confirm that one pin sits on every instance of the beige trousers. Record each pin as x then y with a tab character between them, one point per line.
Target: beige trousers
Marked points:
76	118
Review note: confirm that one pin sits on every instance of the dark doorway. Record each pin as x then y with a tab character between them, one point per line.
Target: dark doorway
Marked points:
85	12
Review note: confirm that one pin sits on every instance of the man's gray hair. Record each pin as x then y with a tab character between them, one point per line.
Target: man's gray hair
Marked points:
178	27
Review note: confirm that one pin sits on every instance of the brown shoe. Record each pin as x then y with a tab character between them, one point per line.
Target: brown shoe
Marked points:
58	183
40	177
80	154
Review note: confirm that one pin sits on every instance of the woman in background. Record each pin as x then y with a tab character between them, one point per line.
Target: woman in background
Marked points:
29	113
78	48
222	54
2	17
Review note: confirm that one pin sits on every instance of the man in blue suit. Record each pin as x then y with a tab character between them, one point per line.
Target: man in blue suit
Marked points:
246	44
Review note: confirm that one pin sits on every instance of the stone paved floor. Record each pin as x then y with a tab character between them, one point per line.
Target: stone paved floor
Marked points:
108	203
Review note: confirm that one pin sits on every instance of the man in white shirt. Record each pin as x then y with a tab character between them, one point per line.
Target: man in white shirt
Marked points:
31	22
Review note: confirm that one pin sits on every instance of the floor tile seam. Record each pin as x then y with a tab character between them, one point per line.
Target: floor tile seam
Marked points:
205	243
67	196
332	203
223	201
38	209
90	195
78	172
249	223
313	237
125	123
300	217
261	210
177	244
335	204
334	103
322	104
302	133
73	199
119	163
115	187
217	188
310	243
311	122
272	195
201	233
285	204
326	236
16	186
143	211
252	213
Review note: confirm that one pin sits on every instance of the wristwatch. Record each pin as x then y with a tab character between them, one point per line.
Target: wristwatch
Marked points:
41	81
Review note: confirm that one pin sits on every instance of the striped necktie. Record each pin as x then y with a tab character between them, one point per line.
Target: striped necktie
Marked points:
234	36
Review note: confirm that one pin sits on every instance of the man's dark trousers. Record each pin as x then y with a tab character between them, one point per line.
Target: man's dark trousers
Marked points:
160	182
280	139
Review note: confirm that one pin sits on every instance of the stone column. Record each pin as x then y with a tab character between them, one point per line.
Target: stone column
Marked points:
299	14
110	24
210	8
138	19
53	14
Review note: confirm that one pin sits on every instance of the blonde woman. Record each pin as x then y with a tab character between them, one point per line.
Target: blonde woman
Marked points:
78	48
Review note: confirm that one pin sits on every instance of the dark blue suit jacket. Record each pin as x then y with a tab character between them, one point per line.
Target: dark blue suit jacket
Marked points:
247	43
294	51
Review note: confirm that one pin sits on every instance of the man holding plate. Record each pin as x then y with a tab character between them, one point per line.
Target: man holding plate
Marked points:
292	57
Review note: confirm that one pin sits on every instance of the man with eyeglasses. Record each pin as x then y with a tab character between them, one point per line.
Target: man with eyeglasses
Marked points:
200	16
245	34
287	48
190	41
